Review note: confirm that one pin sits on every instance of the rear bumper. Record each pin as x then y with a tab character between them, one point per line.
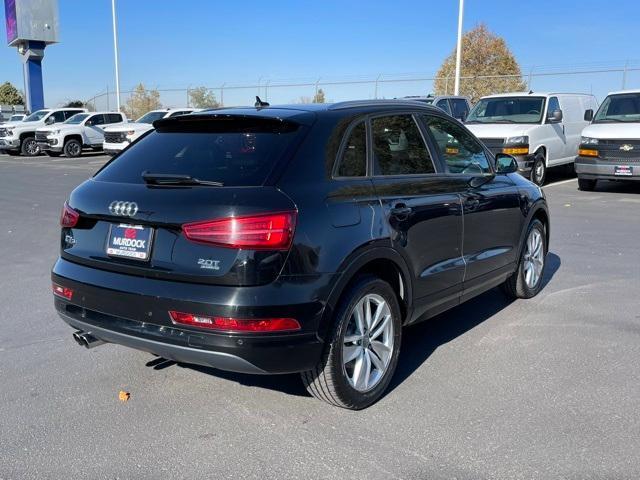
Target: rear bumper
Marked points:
594	169
133	311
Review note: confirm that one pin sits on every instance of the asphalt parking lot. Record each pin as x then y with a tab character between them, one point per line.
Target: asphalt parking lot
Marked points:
545	388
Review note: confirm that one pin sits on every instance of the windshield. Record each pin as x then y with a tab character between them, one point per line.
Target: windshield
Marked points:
77	118
151	117
507	110
37	116
619	108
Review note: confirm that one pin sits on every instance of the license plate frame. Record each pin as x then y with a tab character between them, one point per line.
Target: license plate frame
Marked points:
121	244
623	171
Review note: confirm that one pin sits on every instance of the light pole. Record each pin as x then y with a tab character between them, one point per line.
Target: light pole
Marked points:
456	88
115	52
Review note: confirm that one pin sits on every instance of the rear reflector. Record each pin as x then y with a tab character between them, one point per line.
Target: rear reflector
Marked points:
228	324
272	231
69	217
60	291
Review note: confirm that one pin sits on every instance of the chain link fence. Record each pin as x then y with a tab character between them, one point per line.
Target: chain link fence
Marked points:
598	78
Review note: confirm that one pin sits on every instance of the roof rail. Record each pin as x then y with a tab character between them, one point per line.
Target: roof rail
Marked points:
375	103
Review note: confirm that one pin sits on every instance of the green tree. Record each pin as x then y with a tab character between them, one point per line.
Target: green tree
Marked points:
10	95
74	104
319	96
202	97
141	101
483	54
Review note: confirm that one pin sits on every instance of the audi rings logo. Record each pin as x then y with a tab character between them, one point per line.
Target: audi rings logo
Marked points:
123	209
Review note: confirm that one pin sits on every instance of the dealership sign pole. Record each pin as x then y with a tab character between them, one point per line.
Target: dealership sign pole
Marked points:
31	26
115	52
456	88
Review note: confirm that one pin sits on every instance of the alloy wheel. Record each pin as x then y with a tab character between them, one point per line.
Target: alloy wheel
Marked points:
367	346
533	258
32	148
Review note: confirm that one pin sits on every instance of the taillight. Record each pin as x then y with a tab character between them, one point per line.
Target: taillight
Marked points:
228	324
69	217
271	231
61	291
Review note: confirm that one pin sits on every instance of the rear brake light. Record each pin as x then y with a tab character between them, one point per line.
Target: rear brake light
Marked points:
69	217
228	324
61	291
272	231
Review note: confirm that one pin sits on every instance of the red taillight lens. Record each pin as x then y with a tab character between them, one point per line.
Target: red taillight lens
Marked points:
69	217
228	324
61	291
272	231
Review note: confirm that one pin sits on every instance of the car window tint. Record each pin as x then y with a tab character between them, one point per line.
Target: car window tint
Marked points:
459	108
97	120
444	105
354	156
462	152
59	116
239	152
398	147
114	117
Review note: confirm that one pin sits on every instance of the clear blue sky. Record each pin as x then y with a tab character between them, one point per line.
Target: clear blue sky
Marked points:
174	44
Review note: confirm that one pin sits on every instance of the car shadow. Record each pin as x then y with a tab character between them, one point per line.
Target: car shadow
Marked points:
419	341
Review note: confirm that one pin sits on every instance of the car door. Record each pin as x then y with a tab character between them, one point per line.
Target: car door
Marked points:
422	209
554	137
94	129
492	220
573	122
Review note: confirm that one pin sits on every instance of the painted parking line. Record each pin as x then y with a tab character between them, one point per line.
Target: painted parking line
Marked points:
562	182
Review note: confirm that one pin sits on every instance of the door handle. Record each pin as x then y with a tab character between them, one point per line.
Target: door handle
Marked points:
401	211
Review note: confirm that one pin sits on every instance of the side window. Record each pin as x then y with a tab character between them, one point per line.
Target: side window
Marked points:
97	120
70	113
354	156
59	116
553	105
113	117
175	114
459	108
398	147
444	105
461	151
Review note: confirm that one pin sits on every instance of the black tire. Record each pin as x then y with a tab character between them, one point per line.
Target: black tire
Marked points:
328	381
72	148
516	286
539	170
52	154
586	184
29	147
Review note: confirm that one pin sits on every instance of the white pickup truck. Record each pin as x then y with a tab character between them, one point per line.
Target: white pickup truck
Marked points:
119	137
83	130
20	137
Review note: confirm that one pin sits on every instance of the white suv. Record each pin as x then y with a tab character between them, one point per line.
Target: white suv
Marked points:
83	130
117	138
20	137
540	130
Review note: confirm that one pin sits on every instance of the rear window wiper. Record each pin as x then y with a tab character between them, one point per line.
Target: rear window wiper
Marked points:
176	179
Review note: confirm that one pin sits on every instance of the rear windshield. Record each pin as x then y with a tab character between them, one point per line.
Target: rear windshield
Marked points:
233	153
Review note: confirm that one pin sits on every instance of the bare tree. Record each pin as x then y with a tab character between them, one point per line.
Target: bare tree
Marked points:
141	101
202	97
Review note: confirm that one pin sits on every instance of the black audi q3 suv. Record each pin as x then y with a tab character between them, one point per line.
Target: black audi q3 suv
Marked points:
300	238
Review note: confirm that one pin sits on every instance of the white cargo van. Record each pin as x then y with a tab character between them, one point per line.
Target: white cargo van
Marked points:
610	146
540	130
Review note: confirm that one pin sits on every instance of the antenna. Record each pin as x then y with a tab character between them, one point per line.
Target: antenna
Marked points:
259	103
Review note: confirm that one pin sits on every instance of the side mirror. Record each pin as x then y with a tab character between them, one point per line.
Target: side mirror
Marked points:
50	120
555	116
505	164
588	115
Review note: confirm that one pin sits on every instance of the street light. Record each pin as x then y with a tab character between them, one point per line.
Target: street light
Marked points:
456	88
115	52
